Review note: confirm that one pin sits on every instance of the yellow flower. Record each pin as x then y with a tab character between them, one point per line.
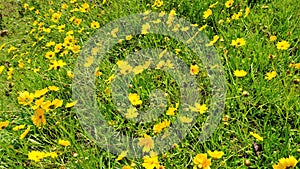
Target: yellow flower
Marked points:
240	73
122	155
3	124
24	134
271	75
201	161
64	143
285	163
215	39
95	25
114	32
151	162
202	27
50	55
283	45
40	93
52	155
238	42
171	110
70	74
36	156
68	105
126	167
56	64
158	3
229	3
247	12
273	38
147	143
124	67
258	137
215	154
134	99
77	21
1	69
38	118
19	127
55	17
131	113
199	108
145	28
184	119
160	126
53	88
207	13
194	69
25	98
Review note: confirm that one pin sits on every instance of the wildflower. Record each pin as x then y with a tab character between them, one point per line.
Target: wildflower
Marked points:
215	154
51	154
131	113
38	103
194	69
122	155
126	167
38	118
160	126
24	134
55	17
213	5
19	127
70	74
273	38
124	67
202	27
271	75
151	162
128	37
283	45
25	98
171	110
75	48
229	3
201	161
50	55
138	69
215	39
184	119
258	137
53	88
207	13
113	32
39	93
145	28
95	25
247	12
3	124
285	163
71	104
77	21
199	108
89	61
147	143
1	69
134	99
240	73
58	47
238	42
10	73
236	16
56	64
64	142
158	3
36	156
47	106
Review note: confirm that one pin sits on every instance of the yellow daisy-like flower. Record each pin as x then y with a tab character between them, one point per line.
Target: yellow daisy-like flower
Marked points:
151	162
95	25
134	99
194	69
160	126
38	118
71	104
238	42
147	143
283	45
271	75
201	161
25	98
64	143
255	135
36	156
229	3
273	38
3	124
122	155
24	134
207	13
19	127
215	154
131	113
285	163
240	73
199	108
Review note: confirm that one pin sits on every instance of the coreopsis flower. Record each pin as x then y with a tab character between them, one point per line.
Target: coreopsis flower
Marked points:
114	32
19	127
56	17
47	106
124	67
247	12
50	55
24	134
56	64
64	142
238	42
273	38
240	73
77	21
71	104
147	143
58	48
134	99
194	69
200	161
151	162
36	156
285	163
215	39
160	126
207	13
158	3
185	119
199	108
3	124
145	28
39	93
38	119
215	154
53	88
283	45
122	155
229	3
271	75
25	98
171	110
95	25
131	113
255	135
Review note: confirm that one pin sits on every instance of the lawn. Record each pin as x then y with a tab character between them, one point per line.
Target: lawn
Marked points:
149	84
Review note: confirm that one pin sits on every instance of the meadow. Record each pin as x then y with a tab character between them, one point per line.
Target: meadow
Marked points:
45	120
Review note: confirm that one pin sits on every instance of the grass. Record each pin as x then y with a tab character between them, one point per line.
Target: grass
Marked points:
269	108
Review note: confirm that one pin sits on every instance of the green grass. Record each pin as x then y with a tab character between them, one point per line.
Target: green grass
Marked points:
271	109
